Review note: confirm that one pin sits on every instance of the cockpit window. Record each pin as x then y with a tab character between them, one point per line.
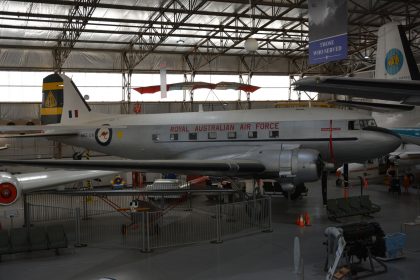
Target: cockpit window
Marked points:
365	123
360	124
371	122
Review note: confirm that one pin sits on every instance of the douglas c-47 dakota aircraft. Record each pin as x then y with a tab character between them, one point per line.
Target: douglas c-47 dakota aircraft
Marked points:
282	144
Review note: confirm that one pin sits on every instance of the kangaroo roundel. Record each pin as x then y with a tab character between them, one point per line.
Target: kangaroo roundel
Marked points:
103	135
394	61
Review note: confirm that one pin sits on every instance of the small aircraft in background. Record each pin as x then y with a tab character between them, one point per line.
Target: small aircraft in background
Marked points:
4	147
406	160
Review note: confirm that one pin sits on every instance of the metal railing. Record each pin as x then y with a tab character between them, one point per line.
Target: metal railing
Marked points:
148	230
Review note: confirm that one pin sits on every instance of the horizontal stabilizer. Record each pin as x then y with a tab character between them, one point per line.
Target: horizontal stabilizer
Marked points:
46	130
201	167
40	134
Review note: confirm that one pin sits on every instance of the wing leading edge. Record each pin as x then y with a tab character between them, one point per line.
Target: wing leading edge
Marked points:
46	179
202	167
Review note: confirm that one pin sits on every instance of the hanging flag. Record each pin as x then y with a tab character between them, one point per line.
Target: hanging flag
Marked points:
163	86
327	30
198	85
236	86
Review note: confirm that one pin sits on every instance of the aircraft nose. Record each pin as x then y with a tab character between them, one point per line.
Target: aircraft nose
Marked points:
387	140
383	130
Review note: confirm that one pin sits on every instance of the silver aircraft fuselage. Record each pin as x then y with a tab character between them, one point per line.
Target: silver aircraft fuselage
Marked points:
249	134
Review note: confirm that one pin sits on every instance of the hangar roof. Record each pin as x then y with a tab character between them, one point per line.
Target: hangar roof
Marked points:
185	35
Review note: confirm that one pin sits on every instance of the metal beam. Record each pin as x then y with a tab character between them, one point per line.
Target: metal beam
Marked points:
72	30
20	16
150	8
157	33
238	39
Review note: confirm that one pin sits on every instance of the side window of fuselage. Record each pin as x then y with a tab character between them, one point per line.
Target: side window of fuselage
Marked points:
252	134
351	125
174	136
232	135
212	135
274	134
192	136
155	137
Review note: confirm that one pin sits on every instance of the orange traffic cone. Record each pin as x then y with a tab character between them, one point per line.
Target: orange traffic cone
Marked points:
301	221
307	219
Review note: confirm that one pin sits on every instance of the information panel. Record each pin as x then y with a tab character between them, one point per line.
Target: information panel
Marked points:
327	30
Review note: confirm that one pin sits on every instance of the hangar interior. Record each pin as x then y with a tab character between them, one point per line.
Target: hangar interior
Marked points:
151	225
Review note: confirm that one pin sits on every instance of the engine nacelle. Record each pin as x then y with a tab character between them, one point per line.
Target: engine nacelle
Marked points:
293	166
9	189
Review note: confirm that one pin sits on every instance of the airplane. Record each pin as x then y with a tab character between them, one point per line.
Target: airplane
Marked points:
397	79
406	159
13	186
284	144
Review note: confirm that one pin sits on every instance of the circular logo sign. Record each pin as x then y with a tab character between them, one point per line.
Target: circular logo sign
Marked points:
103	136
393	61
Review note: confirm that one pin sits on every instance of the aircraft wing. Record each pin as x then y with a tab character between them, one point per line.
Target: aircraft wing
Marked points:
46	179
12	186
202	167
12	131
407	92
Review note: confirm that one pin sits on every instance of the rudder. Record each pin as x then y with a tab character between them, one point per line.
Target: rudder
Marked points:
61	101
394	58
52	99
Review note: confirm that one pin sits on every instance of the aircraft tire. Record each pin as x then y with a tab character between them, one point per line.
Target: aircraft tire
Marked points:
297	193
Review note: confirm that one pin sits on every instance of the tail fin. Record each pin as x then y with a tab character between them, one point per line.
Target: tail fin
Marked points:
62	101
394	58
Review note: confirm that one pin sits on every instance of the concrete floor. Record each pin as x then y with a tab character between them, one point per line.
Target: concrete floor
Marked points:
262	256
